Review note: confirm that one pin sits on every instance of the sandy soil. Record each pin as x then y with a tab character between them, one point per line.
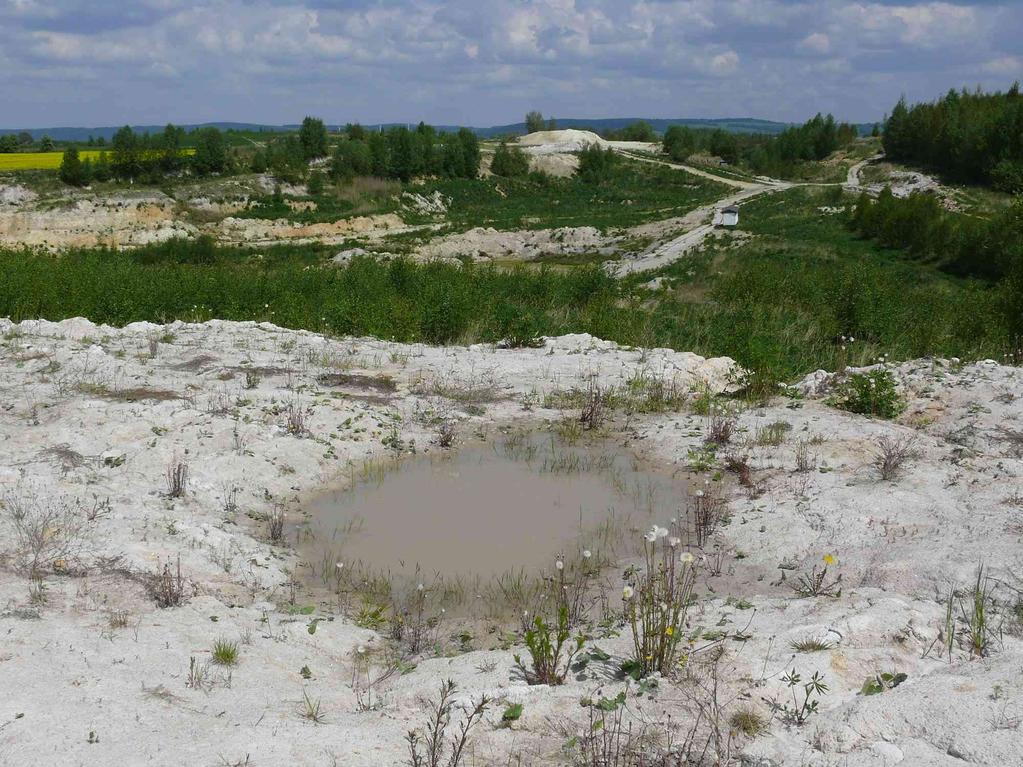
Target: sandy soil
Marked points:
93	416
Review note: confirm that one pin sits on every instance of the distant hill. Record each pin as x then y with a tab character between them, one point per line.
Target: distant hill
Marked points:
733	124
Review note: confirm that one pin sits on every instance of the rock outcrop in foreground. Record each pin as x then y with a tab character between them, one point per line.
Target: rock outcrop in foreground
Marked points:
95	423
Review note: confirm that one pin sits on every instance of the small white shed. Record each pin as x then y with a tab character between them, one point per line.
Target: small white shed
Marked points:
729	216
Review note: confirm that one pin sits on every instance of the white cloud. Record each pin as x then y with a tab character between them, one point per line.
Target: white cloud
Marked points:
1010	66
816	42
489	60
724	63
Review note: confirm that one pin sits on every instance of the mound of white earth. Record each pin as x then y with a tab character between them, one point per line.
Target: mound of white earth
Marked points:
95	421
552	141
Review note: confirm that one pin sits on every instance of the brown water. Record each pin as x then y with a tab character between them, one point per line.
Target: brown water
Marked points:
488	509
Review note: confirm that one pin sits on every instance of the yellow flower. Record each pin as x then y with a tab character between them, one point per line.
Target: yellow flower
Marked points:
829	559
669	631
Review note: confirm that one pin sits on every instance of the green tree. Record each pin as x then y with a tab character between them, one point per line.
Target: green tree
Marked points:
351	158
169	148
8	143
596	165
469	147
127	154
313	136
679	142
315	184
509	161
210	152
25	138
534	122
46	144
71	170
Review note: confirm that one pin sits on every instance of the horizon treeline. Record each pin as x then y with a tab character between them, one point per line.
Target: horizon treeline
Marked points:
971	137
769	155
148	158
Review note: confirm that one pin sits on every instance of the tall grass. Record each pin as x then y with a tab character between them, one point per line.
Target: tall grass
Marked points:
778	304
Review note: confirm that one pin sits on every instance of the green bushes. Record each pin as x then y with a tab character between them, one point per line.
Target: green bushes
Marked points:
551	650
596	165
872	393
972	137
435	303
509	161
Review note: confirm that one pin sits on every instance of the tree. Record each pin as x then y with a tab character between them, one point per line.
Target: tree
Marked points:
596	165
351	158
637	131
8	143
169	148
724	145
210	152
24	138
313	136
315	184
71	169
679	142
509	161
46	144
470	150
534	122
126	160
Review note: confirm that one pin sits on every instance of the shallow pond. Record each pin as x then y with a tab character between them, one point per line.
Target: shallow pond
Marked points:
484	510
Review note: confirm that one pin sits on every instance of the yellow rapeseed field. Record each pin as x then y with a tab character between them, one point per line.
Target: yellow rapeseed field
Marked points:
49	160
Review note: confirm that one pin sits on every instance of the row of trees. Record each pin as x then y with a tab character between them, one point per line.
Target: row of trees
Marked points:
969	137
402	154
964	245
772	155
16	142
149	157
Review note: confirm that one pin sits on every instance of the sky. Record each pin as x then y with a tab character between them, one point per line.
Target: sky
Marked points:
486	62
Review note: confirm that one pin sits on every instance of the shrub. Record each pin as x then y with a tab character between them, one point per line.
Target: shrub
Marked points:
891	454
657	600
596	165
509	161
874	393
431	746
550	650
225	652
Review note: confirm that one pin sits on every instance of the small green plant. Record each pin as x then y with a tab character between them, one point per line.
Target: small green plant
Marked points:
657	600
878	683
225	652
773	434
748	721
979	632
511	714
311	709
370	617
817	584
805	696
874	393
810	644
551	650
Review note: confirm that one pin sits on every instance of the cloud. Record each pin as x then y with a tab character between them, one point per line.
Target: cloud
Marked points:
488	61
816	42
1009	66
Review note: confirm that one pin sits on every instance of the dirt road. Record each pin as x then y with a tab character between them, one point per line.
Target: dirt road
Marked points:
699	223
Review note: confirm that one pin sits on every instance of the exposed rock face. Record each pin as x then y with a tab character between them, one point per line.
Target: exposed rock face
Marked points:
94	416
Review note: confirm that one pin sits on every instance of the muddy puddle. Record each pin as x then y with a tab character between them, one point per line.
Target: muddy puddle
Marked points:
484	510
